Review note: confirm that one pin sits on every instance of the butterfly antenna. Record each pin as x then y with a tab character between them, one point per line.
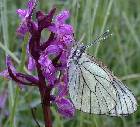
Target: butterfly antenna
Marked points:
104	36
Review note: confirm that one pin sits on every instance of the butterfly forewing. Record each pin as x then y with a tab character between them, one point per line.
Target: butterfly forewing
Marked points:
94	89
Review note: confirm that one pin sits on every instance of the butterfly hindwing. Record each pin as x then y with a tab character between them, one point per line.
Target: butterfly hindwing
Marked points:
94	89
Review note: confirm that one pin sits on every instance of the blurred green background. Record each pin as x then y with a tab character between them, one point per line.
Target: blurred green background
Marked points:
121	52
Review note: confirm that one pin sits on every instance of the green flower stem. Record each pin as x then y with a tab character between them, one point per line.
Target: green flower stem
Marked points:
12	55
104	23
21	68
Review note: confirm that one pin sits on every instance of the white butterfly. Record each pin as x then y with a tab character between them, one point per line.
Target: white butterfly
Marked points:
94	89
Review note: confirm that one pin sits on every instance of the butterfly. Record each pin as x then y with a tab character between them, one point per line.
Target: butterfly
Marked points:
95	89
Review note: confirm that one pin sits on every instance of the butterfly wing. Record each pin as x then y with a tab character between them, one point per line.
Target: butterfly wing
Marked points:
126	102
94	89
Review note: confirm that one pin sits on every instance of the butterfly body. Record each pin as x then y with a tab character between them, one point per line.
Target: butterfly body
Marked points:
94	89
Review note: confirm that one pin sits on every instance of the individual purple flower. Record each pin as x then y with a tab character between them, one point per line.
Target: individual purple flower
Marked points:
48	69
25	14
46	63
61	29
64	32
11	73
65	107
62	17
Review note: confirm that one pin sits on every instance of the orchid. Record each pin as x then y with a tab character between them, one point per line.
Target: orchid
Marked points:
49	59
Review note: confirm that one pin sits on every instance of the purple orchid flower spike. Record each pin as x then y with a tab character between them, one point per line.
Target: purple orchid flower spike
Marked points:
49	59
25	14
60	44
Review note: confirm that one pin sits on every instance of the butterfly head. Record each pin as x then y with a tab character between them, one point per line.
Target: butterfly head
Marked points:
77	52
